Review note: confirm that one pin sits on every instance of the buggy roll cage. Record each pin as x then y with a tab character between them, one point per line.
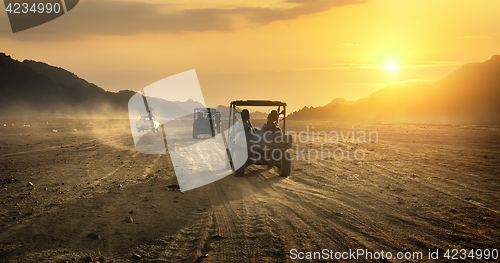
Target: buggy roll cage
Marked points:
210	111
258	103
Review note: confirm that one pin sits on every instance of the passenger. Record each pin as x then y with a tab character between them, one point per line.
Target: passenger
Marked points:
199	116
272	122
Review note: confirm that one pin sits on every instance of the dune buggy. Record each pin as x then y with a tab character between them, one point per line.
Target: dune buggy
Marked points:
206	121
147	123
265	147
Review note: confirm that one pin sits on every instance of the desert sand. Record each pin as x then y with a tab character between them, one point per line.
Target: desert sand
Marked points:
84	193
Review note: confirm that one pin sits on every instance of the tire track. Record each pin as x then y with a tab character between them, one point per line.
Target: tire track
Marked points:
48	148
230	248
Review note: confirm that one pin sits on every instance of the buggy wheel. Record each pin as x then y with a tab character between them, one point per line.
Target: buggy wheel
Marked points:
285	166
195	135
240	172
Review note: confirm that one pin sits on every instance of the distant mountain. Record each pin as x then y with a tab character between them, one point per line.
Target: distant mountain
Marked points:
340	101
56	74
258	115
30	87
321	113
469	95
189	105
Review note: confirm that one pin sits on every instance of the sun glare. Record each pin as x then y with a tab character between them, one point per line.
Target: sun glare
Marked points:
391	67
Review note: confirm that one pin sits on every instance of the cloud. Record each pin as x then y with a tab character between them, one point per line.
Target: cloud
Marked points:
430	64
407	82
106	17
484	37
403	65
350	44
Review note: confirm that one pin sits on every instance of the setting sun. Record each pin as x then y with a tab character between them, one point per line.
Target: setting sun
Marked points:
391	67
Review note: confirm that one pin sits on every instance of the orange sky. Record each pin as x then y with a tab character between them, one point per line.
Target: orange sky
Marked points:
304	52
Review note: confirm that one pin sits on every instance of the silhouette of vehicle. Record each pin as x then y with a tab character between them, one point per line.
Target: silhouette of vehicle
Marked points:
147	123
206	121
267	147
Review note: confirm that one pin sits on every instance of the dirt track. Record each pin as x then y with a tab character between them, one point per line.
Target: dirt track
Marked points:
420	187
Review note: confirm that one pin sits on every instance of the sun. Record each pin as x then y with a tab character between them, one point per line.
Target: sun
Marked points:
392	67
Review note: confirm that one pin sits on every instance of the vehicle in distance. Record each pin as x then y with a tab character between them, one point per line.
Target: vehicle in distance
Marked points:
147	123
206	121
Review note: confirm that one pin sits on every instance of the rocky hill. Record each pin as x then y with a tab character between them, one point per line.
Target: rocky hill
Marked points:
31	87
469	95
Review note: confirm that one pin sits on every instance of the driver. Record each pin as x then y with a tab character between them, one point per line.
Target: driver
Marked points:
199	116
247	125
245	117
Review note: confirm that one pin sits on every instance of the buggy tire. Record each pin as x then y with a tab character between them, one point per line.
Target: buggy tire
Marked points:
285	166
240	172
195	135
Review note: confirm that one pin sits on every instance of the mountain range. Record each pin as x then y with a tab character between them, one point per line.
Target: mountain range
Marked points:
31	87
469	95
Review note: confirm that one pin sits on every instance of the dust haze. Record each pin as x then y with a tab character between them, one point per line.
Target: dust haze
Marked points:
75	189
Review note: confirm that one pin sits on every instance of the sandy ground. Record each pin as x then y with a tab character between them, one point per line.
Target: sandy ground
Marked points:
88	195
